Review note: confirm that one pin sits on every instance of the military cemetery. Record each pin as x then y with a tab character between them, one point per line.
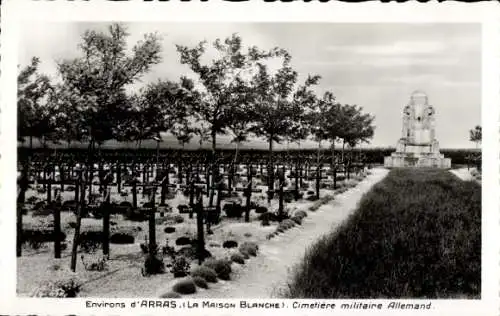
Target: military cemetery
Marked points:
243	176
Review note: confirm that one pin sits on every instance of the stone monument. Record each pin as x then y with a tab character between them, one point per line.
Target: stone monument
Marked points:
418	146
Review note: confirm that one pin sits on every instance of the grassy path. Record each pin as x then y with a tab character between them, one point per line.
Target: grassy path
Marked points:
262	276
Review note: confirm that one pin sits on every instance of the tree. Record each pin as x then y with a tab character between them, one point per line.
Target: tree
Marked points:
476	135
273	108
68	118
220	83
357	127
220	80
101	75
307	118
322	120
33	112
160	107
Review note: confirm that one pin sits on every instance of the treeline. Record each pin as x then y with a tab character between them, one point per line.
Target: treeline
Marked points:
236	93
366	155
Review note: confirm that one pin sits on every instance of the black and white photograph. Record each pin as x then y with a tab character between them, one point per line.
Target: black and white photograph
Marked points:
250	160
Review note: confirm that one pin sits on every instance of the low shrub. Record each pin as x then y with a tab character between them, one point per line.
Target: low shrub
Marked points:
312	198
270	236
207	273
320	202
200	282
285	225
95	264
60	288
249	247
185	286
238	258
230	244
182	241
221	266
233	210
121	238
178	219
169	230
297	220
248	235
268	217
300	214
90	241
180	267
37	236
153	265
265	222
261	209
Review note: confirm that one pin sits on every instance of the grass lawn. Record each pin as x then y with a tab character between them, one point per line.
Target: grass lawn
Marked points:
416	234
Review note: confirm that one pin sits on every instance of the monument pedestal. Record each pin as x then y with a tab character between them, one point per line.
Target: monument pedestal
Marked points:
424	160
417	147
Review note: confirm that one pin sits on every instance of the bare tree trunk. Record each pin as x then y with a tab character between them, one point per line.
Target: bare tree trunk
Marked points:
333	166
319	150
270	168
214	169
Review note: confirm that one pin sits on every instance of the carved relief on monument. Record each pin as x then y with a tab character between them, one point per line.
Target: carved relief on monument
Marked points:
418	145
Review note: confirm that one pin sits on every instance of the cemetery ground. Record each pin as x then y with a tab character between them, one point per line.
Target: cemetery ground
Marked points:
416	234
122	275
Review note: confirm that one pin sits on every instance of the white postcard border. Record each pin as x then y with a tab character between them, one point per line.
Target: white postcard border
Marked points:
14	12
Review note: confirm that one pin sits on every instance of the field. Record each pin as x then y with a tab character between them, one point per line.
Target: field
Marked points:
416	234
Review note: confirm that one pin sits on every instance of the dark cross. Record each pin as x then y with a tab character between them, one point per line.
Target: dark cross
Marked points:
318	177
194	183
105	221
56	207
200	249
80	206
247	192
152	227
297	175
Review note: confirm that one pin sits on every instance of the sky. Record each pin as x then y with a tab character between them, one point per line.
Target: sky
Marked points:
376	66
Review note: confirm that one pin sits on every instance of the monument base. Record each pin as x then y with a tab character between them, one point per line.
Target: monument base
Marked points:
403	160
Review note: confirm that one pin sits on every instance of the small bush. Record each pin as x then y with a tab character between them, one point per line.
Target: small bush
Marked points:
66	287
182	241
222	267
297	220
186	286
169	230
121	238
95	264
230	244
285	225
153	265
300	213
261	209
233	210
268	217
180	267
270	236
265	222
249	248
171	295
248	235
312	198
90	241
205	272
200	282
238	258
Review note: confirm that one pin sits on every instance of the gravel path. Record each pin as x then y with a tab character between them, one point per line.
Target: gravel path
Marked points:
463	174
262	276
